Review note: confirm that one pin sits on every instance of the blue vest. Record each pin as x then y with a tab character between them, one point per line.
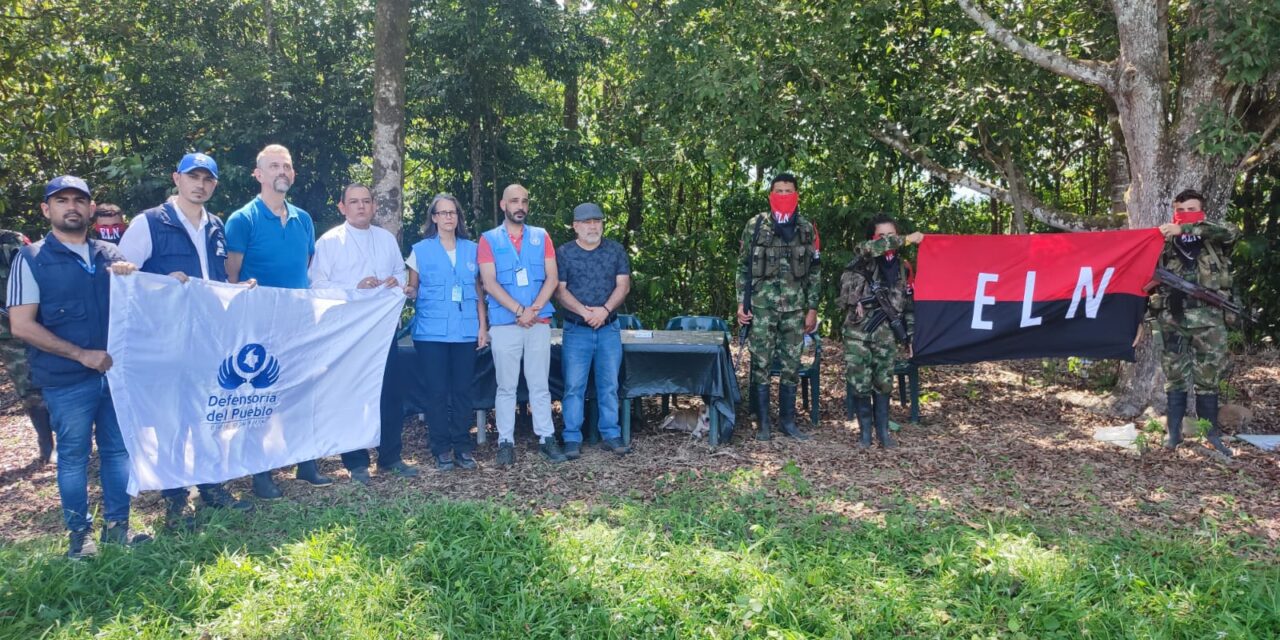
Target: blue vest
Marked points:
506	261
438	318
74	305
171	248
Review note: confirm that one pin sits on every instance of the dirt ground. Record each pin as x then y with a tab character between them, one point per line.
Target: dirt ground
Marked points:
996	440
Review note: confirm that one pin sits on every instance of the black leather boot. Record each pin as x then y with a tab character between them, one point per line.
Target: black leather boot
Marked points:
761	392
1173	418
309	472
264	487
1207	408
881	402
787	411
866	420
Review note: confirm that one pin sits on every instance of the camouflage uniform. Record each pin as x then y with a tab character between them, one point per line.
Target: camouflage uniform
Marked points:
13	353
869	356
1192	335
786	280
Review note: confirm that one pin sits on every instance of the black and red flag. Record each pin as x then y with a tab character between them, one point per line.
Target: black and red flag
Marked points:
1031	296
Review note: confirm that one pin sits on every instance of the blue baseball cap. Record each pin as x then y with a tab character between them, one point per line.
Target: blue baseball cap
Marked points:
62	183
193	161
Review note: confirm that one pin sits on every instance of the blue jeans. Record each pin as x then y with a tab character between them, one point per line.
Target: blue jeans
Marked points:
586	349
81	412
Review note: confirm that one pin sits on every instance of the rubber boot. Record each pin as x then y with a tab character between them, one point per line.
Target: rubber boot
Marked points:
264	487
309	472
761	392
787	411
1207	408
1173	418
39	415
881	402
866	420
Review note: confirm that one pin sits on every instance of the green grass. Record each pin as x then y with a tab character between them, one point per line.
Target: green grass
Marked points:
725	556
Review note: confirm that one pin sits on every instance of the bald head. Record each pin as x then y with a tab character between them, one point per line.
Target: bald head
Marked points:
515	204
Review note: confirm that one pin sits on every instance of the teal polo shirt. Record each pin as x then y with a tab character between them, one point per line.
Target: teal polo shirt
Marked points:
275	255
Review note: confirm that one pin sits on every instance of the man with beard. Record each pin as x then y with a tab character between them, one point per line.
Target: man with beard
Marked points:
518	270
358	255
778	260
59	305
595	277
272	241
181	239
1192	335
869	342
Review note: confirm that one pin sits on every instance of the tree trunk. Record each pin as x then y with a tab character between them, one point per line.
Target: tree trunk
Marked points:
635	206
391	41
476	155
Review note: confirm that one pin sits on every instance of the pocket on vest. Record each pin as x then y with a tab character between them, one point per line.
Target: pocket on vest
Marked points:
62	313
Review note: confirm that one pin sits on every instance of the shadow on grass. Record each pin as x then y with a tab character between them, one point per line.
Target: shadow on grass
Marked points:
720	556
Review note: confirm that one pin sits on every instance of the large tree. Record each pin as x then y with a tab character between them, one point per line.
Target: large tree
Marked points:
391	41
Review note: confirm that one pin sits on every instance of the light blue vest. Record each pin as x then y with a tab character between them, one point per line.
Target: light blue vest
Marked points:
438	317
506	261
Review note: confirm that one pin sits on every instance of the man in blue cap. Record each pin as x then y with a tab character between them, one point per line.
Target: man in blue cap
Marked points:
181	239
58	305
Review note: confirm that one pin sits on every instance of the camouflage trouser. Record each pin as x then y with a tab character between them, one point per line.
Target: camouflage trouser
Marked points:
868	360
13	354
1195	350
780	335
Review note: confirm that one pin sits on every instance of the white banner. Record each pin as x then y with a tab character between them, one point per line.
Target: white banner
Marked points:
213	381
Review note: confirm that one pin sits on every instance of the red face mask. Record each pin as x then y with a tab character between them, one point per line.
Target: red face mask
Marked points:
784	203
1188	217
888	255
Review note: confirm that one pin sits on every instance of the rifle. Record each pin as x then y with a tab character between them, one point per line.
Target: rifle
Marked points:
1192	290
745	329
884	312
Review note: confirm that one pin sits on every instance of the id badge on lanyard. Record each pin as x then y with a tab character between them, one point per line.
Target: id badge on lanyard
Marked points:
456	296
522	277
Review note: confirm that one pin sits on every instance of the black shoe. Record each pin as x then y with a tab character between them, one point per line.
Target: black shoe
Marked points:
309	472
573	450
616	445
398	468
444	462
217	497
118	533
1177	408
880	402
506	454
80	544
1207	408
360	475
464	460
175	513
39	415
866	420
551	450
761	392
787	412
264	487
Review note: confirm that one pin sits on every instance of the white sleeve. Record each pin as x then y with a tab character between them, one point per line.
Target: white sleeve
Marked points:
412	261
393	259
23	288
320	269
136	242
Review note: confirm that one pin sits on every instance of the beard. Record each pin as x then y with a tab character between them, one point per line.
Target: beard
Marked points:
281	184
516	216
72	226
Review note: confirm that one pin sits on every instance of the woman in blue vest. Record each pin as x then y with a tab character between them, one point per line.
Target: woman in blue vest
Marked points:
449	326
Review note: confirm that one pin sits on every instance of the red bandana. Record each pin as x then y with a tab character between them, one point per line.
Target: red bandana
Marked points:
1188	217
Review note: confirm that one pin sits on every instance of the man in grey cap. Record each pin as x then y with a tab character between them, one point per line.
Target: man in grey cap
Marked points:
595	278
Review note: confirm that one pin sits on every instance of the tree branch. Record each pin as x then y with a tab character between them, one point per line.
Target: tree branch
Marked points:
1055	218
1265	149
1098	74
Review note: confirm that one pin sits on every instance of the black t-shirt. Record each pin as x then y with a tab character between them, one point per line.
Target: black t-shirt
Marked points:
591	276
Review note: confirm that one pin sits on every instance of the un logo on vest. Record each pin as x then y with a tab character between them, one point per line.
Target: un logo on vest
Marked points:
252	365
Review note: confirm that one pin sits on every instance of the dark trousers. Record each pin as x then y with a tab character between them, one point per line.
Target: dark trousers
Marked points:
448	370
392	410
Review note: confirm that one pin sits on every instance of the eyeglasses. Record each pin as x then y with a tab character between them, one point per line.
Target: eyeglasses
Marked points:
447	214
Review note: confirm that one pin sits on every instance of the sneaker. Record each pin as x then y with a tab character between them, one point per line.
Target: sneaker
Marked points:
506	454
264	487
361	476
80	545
399	468
217	497
444	462
551	450
573	450
465	460
175	513
118	533
615	445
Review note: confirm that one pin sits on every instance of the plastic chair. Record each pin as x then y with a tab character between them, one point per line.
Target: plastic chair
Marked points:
629	321
810	380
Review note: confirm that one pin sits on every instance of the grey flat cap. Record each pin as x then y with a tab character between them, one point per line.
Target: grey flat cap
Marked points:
587	211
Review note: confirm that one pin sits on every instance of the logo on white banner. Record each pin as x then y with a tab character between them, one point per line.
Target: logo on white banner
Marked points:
253	365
